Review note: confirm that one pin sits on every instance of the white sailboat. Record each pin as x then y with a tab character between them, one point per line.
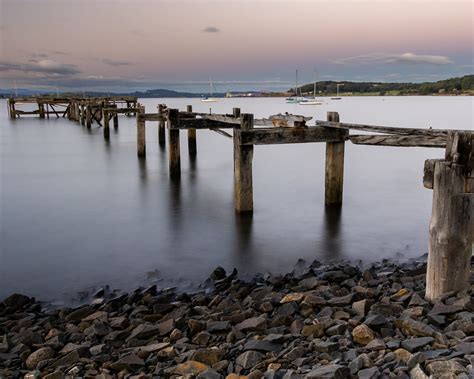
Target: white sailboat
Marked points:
337	92
311	101
209	99
294	99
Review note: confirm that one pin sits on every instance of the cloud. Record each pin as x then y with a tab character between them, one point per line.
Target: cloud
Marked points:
404	58
211	29
112	62
44	66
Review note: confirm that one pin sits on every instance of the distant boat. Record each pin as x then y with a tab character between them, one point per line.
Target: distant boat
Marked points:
294	99
313	100
337	92
209	99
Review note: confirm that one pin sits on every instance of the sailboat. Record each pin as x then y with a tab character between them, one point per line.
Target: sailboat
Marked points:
209	99
294	99
337	92
311	101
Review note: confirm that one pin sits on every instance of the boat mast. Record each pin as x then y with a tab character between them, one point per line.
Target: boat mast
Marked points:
296	84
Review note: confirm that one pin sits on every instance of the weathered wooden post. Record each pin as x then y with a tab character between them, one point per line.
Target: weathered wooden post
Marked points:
76	111
105	116
83	114
41	109
451	232
174	156
116	124
141	143
192	148
236	112
243	155
12	109
161	127
88	115
334	178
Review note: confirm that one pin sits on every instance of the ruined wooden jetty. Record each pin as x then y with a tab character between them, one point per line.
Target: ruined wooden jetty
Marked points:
86	111
452	179
451	233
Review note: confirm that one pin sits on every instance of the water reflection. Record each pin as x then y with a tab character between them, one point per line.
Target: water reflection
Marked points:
332	247
243	251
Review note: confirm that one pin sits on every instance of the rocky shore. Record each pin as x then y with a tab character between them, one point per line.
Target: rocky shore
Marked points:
319	321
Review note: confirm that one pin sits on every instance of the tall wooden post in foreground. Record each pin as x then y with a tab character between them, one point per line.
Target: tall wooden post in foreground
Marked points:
174	156
334	178
192	148
161	128
452	218
243	155
141	143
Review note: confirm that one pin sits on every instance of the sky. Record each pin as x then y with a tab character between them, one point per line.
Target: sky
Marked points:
115	45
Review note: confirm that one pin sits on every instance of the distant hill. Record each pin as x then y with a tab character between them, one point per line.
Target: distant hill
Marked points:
464	84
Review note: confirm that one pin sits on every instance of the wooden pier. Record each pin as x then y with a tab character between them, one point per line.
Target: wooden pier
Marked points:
451	233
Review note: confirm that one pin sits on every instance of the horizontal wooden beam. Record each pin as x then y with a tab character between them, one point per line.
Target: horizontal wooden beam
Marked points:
222	133
383	129
272	136
400	140
121	110
151	117
203	123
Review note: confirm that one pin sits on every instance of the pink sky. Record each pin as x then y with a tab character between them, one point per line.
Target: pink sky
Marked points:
99	44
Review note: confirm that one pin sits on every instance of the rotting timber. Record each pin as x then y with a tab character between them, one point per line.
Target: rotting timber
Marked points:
451	231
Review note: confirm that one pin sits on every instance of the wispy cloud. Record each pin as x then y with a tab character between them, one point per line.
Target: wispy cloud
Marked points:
116	63
44	66
406	58
211	29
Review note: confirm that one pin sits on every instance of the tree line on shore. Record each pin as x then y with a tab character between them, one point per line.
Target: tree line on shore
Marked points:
457	85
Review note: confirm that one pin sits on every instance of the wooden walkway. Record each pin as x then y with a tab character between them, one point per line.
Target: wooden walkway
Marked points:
451	233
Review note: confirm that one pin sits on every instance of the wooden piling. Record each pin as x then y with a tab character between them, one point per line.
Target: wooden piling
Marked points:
88	116
82	115
141	143
161	128
41	110
174	157
106	124
243	155
236	112
334	178
451	230
116	123
192	148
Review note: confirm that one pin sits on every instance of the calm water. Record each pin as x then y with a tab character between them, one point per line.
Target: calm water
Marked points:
76	212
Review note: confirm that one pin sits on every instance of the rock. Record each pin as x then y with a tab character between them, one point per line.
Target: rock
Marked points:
402	355
418	373
252	324
38	356
209	374
202	338
249	359
67	360
218	274
369	373
208	356
297	297
341	301
315	330
362	334
144	331
359	362
188	368
80	313
415	328
325	346
218	326
130	362
465	347
414	344
329	371
375	344
16	302
361	307
416	359
445	367
264	346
